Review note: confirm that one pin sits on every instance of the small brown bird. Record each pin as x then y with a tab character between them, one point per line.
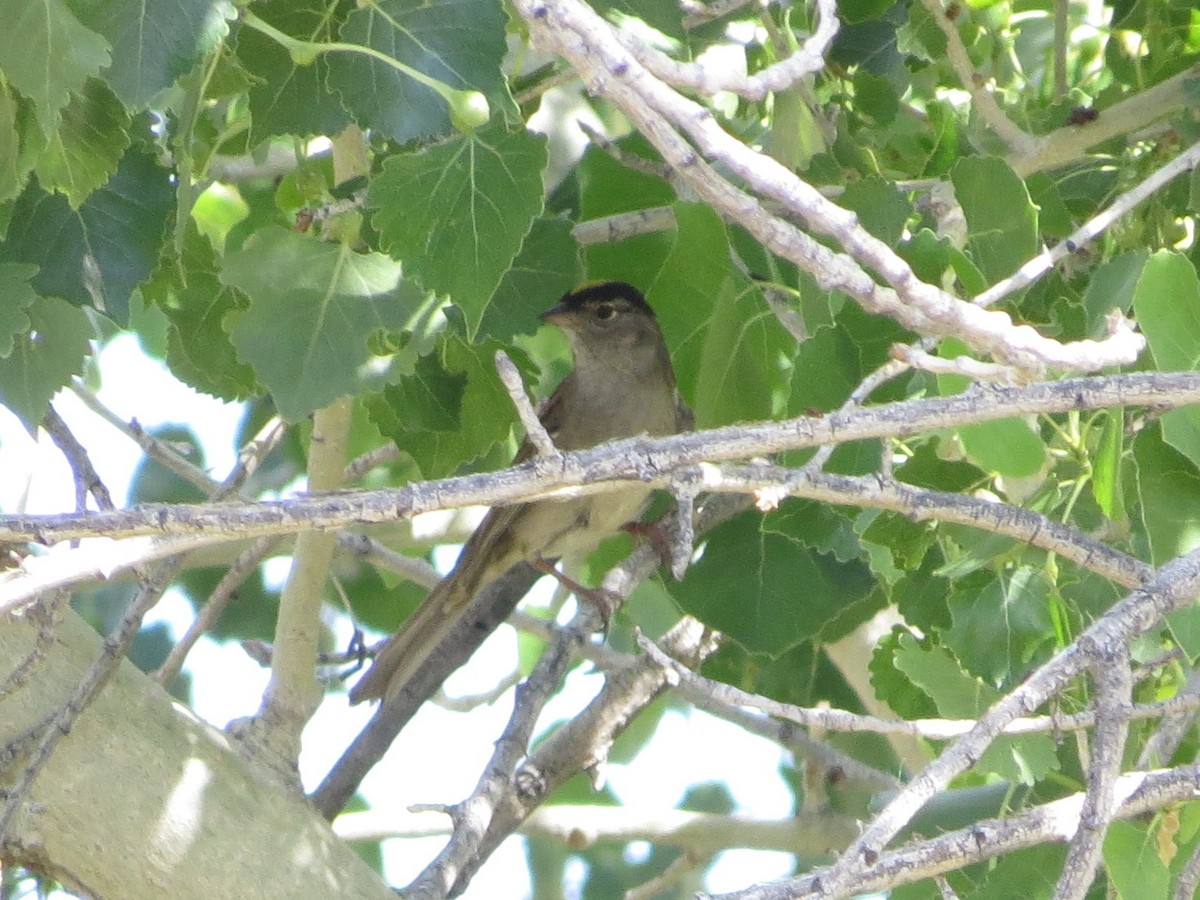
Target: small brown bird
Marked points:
622	386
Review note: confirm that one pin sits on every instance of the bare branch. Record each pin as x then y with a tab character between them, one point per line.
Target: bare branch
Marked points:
574	31
983	101
473	817
776	77
1045	261
840	720
618	227
208	614
1134	112
1174	585
694	692
1114	683
87	480
293	693
593	470
1136	793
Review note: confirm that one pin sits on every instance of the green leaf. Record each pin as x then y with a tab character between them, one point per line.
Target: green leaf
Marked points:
1132	861
98	254
727	347
199	351
1054	219
457	42
431	398
904	541
442	434
933	669
1112	287
664	15
945	139
872	45
922	596
17	295
1167	305
760	585
45	52
834	360
1184	625
881	207
157	40
457	214
1024	759
1003	629
43	359
742	375
313	305
91	138
1029	874
684	294
875	96
1106	466
862	10
892	685
14	165
1005	446
287	98
606	188
1002	222
547	267
1169	491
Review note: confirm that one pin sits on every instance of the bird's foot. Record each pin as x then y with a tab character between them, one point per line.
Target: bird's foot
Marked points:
605	602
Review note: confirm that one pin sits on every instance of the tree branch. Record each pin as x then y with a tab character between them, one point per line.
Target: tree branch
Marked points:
1136	793
1174	585
646	460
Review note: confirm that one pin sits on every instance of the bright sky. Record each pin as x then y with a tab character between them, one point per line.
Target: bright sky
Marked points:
686	750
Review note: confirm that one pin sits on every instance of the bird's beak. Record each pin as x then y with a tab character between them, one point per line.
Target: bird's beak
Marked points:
555	315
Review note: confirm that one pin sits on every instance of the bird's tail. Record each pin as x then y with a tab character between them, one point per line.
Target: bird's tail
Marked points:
421	634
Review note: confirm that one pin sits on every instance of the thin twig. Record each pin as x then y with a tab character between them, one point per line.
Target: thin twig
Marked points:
87	479
843	721
210	612
1045	261
631	161
777	77
1162	745
474	816
47	613
363	464
535	431
154	448
982	100
1137	793
773	730
620	226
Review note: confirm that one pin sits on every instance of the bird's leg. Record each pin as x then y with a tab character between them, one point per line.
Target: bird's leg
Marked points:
606	602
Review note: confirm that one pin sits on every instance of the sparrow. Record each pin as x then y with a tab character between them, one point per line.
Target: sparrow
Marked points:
621	386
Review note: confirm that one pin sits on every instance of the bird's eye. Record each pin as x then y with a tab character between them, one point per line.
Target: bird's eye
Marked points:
605	311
